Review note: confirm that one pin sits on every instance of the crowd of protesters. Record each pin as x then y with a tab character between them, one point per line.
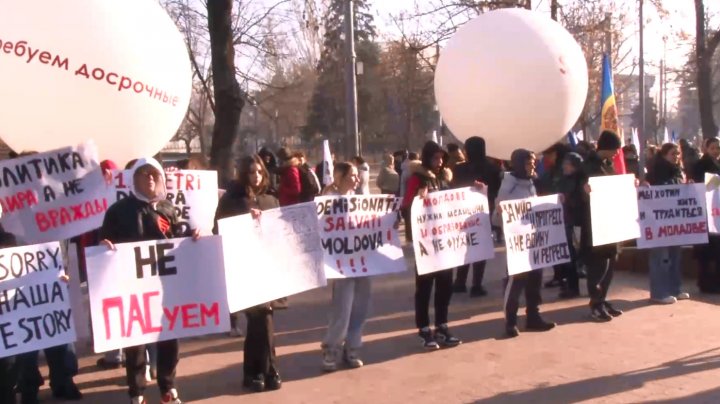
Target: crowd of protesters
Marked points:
269	180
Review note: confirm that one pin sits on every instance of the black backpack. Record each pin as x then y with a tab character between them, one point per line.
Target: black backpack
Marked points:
309	187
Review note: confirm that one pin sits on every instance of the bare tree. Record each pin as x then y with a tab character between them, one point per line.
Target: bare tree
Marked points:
228	99
704	49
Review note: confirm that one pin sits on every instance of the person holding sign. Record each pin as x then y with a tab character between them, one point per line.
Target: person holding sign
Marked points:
8	366
599	258
476	168
430	176
665	272
252	194
518	184
571	188
350	296
708	255
143	216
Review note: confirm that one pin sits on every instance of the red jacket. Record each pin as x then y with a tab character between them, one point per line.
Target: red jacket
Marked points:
290	184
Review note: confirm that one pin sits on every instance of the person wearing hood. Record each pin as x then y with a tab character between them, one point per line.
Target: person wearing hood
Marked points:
271	165
664	262
146	215
363	168
708	255
476	168
547	184
430	176
570	187
599	259
518	184
251	193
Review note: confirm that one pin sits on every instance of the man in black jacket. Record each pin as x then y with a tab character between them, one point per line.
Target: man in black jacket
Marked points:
146	215
476	168
599	259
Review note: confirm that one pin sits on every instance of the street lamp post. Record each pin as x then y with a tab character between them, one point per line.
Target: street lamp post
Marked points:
642	137
351	113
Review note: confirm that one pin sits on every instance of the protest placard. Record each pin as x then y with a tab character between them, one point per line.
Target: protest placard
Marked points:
712	198
155	291
35	310
672	215
614	209
451	228
194	193
358	235
535	235
54	195
276	256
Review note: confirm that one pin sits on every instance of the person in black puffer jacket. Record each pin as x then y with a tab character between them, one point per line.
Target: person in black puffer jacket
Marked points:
664	262
476	168
599	259
708	255
251	194
570	186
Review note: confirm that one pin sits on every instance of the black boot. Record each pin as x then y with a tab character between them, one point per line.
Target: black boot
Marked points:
536	323
273	381
255	383
478	291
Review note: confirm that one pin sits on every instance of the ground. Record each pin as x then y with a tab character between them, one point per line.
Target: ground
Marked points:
651	354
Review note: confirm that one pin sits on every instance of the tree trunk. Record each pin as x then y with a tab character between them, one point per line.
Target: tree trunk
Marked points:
704	52
554	9
228	101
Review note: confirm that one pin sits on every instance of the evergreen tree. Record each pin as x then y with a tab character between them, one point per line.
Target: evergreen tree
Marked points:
326	112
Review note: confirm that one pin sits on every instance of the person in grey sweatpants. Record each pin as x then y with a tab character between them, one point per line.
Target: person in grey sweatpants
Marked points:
350	296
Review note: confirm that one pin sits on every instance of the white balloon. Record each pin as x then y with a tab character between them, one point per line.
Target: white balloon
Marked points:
514	77
131	96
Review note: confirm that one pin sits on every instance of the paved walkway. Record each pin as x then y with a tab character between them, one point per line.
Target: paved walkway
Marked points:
650	354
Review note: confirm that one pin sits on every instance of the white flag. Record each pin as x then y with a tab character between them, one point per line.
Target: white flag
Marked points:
327	174
636	139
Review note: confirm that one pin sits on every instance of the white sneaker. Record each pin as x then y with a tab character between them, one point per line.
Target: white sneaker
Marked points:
138	400
329	362
665	300
171	397
683	296
352	358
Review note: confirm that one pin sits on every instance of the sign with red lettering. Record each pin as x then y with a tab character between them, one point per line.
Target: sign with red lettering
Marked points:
194	193
535	234
712	198
53	196
155	291
35	310
358	235
451	228
672	215
63	83
258	270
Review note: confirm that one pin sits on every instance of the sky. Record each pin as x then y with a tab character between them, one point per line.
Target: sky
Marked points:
681	18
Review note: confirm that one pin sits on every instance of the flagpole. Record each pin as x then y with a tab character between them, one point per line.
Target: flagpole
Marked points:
642	137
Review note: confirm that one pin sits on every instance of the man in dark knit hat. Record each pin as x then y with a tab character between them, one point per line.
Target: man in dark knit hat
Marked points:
599	259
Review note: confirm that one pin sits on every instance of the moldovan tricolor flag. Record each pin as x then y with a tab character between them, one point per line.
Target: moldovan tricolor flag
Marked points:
608	114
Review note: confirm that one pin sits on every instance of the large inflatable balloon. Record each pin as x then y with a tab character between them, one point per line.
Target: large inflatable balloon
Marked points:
514	77
116	72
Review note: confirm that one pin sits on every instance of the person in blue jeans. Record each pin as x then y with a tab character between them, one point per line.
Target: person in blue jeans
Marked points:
350	296
665	271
